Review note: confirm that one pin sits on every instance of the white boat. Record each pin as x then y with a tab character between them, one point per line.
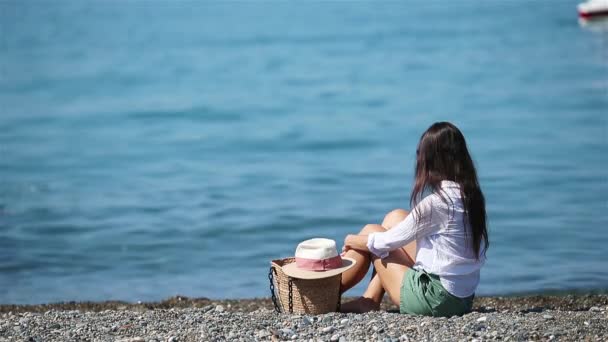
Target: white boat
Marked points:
592	9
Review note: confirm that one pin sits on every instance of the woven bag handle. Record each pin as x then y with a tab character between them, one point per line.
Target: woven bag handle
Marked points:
271	274
290	285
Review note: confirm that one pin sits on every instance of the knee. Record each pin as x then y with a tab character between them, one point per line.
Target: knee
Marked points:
394	217
371	228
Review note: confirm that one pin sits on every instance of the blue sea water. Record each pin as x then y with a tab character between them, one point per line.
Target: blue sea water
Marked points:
149	149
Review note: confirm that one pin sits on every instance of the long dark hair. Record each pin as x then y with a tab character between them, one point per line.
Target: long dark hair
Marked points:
442	154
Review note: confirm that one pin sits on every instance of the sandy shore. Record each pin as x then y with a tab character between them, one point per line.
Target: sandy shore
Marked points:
560	317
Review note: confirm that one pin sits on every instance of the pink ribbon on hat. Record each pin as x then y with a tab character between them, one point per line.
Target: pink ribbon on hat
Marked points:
319	264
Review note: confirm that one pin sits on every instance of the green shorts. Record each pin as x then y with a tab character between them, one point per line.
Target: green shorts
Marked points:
423	294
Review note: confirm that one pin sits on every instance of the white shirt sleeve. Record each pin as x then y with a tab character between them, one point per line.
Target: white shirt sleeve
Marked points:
408	230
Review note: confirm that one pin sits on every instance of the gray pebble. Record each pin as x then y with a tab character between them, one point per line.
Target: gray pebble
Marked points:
548	317
306	321
287	332
219	308
131	339
327	330
194	324
595	309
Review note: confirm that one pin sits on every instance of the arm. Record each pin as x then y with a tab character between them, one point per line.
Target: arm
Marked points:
359	241
430	222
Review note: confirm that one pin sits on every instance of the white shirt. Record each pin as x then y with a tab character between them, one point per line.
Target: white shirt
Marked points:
443	241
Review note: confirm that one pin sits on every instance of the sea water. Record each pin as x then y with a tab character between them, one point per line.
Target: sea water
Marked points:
149	149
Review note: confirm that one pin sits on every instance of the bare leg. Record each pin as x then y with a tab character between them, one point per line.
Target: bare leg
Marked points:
375	291
370	301
355	274
392	219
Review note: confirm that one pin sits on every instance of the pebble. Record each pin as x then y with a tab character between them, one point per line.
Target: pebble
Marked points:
238	324
595	309
377	329
327	330
219	308
548	317
306	321
132	339
287	332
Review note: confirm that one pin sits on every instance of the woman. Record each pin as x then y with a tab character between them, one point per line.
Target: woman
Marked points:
427	260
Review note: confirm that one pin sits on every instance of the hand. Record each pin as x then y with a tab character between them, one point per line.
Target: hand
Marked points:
346	247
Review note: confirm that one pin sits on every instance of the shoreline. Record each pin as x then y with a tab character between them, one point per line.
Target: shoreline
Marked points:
568	317
532	302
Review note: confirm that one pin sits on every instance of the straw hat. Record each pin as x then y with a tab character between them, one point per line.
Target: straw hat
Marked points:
317	259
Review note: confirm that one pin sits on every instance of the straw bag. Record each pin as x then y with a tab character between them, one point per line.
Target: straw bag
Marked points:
303	296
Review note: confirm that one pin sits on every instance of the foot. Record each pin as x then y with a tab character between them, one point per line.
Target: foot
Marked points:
360	305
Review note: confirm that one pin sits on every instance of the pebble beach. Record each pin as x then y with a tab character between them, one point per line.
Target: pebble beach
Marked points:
525	318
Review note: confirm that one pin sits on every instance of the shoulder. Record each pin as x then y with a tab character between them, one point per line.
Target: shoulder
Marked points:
446	198
432	203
